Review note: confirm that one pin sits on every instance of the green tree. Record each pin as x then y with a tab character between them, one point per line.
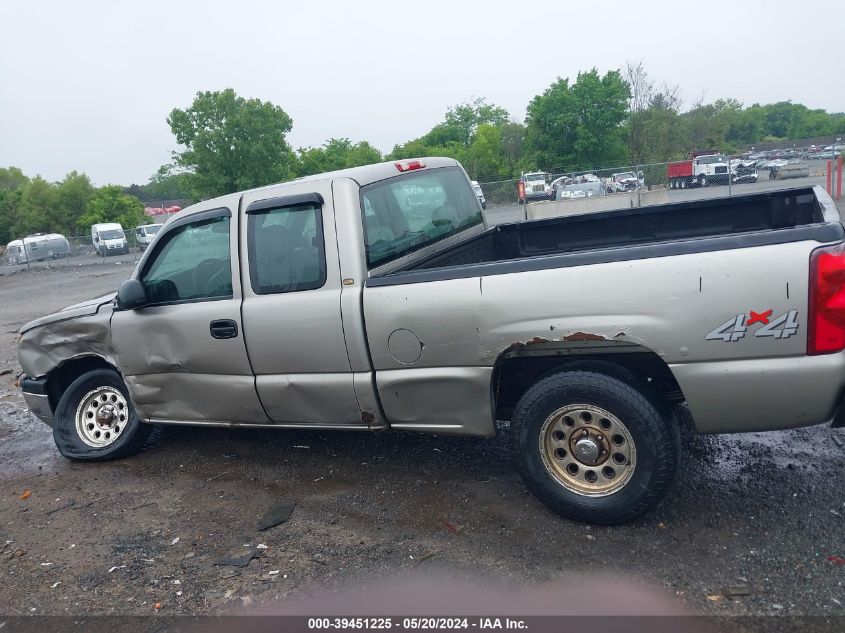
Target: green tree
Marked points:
12	179
232	143
580	125
73	195
464	119
455	136
110	204
12	183
38	200
336	153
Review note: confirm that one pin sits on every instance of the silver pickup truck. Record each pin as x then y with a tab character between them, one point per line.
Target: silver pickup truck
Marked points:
376	298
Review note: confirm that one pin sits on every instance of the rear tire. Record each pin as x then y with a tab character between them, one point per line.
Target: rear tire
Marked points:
702	181
560	455
96	421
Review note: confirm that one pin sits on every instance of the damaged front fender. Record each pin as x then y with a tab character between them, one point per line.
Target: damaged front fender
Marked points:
49	342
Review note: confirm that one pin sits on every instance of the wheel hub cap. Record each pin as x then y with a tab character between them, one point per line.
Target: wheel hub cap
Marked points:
587	449
101	416
106	415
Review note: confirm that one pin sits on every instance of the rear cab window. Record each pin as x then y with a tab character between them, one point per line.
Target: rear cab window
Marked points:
408	212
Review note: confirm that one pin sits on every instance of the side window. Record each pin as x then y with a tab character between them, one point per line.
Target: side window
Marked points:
286	250
191	263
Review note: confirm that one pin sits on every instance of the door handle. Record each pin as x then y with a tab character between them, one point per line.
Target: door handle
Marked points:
223	328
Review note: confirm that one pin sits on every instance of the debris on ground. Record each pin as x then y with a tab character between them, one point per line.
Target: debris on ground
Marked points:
5	371
66	505
276	514
836	560
26	494
454	528
714	597
736	591
174	541
239	558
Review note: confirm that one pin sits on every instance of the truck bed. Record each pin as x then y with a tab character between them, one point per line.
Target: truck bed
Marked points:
661	230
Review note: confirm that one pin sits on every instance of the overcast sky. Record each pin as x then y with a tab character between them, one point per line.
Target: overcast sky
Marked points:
88	85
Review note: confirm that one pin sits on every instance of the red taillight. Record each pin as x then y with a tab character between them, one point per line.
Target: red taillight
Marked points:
826	315
409	165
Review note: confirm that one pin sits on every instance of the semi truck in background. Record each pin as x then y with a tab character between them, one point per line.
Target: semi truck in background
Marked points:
700	169
534	186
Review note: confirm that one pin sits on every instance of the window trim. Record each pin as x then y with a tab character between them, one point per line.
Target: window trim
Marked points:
294	203
282	202
165	237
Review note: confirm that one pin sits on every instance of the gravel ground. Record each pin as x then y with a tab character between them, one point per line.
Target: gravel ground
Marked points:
754	524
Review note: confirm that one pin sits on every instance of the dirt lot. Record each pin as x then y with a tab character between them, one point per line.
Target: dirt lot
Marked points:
756	516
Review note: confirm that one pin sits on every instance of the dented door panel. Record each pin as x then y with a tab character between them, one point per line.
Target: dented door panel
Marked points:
295	332
175	370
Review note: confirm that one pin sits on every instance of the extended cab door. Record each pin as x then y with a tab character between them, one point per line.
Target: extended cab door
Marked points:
292	306
183	355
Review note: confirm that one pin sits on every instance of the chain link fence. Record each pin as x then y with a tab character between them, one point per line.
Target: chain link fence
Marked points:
53	250
720	174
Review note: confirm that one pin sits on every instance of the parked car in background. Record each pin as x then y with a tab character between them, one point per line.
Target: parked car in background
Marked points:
36	248
743	171
478	193
583	186
145	234
109	239
625	181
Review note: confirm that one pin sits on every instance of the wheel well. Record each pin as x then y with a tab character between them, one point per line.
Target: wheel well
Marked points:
513	376
60	378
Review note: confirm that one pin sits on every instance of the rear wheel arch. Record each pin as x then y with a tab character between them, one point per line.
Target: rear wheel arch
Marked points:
514	373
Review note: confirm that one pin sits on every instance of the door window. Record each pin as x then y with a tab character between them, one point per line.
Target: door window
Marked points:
286	250
191	263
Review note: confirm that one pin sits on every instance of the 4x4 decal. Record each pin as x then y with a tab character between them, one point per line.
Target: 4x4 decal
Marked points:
737	326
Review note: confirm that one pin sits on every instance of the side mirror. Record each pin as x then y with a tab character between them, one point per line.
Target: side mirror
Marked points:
131	295
96	239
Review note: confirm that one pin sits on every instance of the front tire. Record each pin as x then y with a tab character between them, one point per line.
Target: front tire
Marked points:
593	448
96	421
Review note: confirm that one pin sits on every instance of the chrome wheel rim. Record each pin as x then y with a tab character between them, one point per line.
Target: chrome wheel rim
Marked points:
101	416
587	450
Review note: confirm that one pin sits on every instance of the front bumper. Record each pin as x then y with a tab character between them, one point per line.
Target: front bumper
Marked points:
35	395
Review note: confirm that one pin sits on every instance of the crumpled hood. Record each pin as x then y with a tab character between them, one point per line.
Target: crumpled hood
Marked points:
84	308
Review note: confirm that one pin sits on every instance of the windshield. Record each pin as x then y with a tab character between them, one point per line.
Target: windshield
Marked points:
111	235
628	175
408	212
477	189
535	177
151	230
707	160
